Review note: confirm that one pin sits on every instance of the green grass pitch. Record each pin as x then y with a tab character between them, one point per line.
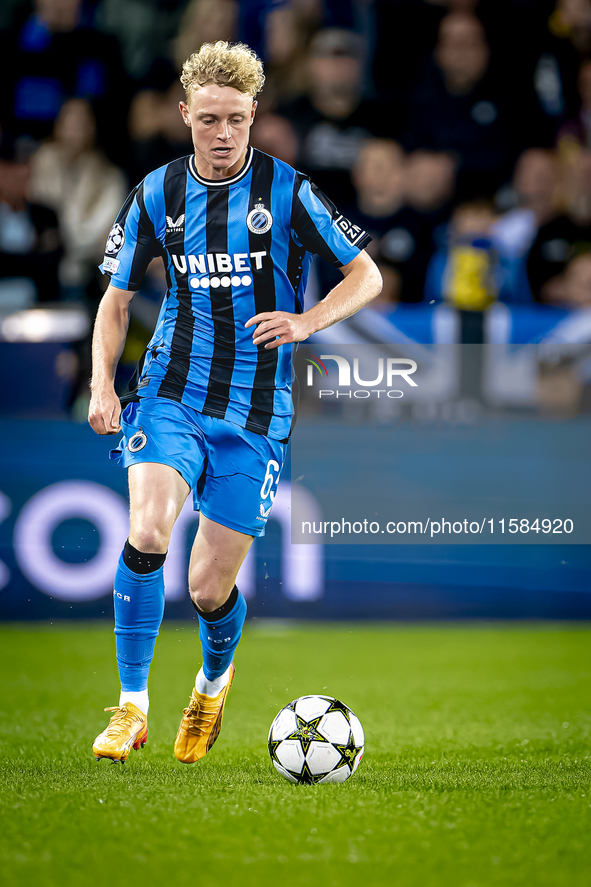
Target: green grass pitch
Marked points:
477	767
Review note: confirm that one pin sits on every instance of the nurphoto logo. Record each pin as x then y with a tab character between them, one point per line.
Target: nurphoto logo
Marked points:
390	371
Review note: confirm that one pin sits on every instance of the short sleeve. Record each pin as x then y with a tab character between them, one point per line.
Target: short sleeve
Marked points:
131	244
321	229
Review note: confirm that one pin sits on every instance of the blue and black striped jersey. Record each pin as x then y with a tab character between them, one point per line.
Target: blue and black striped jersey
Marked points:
232	249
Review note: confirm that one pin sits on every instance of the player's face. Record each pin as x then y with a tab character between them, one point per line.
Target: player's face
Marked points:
220	118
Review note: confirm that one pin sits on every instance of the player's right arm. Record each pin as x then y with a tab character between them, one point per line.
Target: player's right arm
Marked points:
110	330
131	246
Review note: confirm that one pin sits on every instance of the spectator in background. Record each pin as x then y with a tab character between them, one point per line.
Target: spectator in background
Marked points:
462	53
30	243
459	106
85	190
430	179
406	33
465	273
275	136
576	132
550	55
405	36
574	290
333	120
154	35
158	134
378	177
259	20
565	375
379	189
428	185
403	241
563	237
477	238
144	30
288	29
536	194
54	56
571	20
205	21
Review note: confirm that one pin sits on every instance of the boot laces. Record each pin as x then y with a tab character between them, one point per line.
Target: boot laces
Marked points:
200	716
122	718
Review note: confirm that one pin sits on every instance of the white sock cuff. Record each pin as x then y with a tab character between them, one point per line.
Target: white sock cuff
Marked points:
137	697
211	688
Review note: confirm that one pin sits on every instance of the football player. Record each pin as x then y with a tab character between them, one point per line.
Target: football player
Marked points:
210	409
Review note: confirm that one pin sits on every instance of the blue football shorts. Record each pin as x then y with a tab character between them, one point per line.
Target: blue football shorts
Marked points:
232	472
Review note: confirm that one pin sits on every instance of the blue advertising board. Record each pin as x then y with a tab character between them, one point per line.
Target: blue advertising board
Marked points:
64	519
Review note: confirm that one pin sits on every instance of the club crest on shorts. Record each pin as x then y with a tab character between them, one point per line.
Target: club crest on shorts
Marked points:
259	219
115	240
137	442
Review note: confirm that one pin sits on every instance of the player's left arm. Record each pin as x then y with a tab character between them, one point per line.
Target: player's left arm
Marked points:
361	283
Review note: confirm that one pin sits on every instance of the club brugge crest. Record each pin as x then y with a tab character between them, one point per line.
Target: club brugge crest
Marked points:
137	442
115	240
259	219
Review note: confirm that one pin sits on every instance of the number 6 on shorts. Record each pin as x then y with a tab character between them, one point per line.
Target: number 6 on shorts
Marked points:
270	480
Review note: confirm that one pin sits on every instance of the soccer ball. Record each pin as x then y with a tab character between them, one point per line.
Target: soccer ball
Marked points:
316	739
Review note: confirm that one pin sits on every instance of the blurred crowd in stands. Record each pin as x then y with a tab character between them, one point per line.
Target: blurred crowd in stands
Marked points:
457	132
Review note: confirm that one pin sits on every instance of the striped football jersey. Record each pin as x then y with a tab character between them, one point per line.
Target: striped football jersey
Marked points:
231	248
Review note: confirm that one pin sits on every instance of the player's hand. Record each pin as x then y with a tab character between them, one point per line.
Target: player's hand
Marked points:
279	328
104	412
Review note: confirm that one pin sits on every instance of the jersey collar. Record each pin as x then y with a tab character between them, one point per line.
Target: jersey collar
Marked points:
221	183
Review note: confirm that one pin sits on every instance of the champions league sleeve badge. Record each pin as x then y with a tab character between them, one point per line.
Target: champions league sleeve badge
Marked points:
115	240
259	219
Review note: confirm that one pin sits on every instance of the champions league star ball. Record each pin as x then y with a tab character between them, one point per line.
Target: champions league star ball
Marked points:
316	739
115	240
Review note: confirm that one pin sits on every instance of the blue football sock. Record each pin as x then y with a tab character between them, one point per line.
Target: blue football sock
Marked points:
139	608
219	633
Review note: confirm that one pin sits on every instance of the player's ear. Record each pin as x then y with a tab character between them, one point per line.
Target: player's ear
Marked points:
184	109
255	105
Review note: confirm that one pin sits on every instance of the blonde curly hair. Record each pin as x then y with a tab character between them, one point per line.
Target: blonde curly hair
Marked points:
225	64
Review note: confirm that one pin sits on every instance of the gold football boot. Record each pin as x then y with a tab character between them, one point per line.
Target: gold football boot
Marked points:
201	724
128	728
